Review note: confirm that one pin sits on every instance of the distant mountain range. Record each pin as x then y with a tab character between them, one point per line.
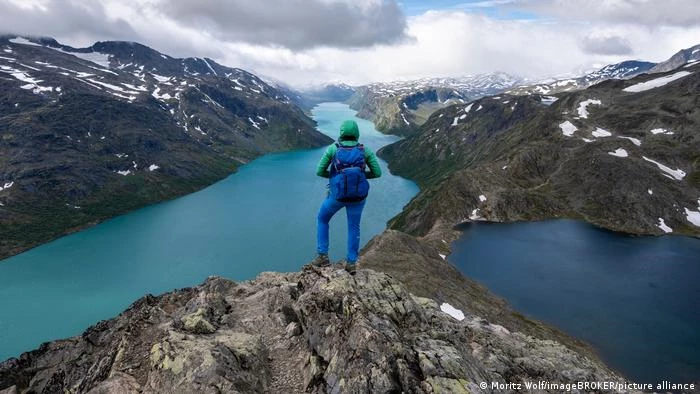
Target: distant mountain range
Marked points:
623	70
89	133
401	107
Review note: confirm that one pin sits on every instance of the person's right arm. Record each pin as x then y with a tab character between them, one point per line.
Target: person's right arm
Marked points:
322	168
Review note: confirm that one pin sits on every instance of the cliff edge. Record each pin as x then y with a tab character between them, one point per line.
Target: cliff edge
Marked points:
318	330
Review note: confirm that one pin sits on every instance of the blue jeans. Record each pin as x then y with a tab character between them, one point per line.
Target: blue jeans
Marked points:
354	213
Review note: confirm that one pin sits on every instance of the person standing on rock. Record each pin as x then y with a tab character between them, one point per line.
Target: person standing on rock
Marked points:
344	164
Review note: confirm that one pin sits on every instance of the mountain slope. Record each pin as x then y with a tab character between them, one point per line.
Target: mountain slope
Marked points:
623	155
400	107
679	59
86	134
319	330
623	70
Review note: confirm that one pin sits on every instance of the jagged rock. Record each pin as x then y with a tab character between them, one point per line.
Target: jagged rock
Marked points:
9	390
358	334
293	329
197	323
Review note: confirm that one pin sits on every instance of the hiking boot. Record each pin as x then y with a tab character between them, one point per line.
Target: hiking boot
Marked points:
321	260
351	267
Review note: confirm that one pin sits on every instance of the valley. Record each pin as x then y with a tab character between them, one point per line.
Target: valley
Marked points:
90	133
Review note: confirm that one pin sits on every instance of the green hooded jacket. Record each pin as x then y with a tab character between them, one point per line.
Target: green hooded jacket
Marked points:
349	135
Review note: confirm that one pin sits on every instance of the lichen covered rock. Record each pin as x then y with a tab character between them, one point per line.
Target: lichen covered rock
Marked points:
319	330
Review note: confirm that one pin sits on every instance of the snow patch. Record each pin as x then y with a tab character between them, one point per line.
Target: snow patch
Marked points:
582	107
568	128
651	192
482	198
153	167
452	311
598	132
475	215
23	41
468	108
6	186
160	78
677	174
480	108
661	131
619	152
254	123
455	121
164	96
693	216
124	173
404	119
548	100
634	140
655	83
662	225
442	255
209	66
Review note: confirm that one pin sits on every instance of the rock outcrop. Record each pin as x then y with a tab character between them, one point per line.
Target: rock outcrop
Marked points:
319	330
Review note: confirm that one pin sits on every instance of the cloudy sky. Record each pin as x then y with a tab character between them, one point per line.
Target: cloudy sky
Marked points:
306	42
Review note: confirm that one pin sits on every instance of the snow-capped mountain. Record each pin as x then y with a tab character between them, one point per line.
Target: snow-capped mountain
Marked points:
623	70
401	106
89	133
623	154
681	57
464	87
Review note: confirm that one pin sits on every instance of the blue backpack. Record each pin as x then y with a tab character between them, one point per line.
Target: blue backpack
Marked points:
348	182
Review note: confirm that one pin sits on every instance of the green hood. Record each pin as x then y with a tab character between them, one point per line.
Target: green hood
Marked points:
349	131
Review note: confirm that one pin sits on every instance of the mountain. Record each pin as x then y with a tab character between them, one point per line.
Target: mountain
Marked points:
622	154
400	107
623	70
320	331
325	93
681	58
90	133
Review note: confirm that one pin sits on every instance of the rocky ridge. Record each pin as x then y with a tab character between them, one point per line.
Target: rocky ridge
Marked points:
319	330
623	70
682	57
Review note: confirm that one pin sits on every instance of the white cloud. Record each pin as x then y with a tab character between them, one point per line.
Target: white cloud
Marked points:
297	24
650	13
445	43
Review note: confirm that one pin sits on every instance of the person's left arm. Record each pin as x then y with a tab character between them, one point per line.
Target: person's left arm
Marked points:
375	171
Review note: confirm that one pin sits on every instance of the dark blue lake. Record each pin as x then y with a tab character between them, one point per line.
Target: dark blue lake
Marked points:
236	228
635	299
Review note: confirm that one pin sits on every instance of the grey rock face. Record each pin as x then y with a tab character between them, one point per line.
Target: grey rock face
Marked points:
680	58
356	334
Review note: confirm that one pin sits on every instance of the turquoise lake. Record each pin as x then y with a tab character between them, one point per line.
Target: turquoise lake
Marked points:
262	218
635	299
